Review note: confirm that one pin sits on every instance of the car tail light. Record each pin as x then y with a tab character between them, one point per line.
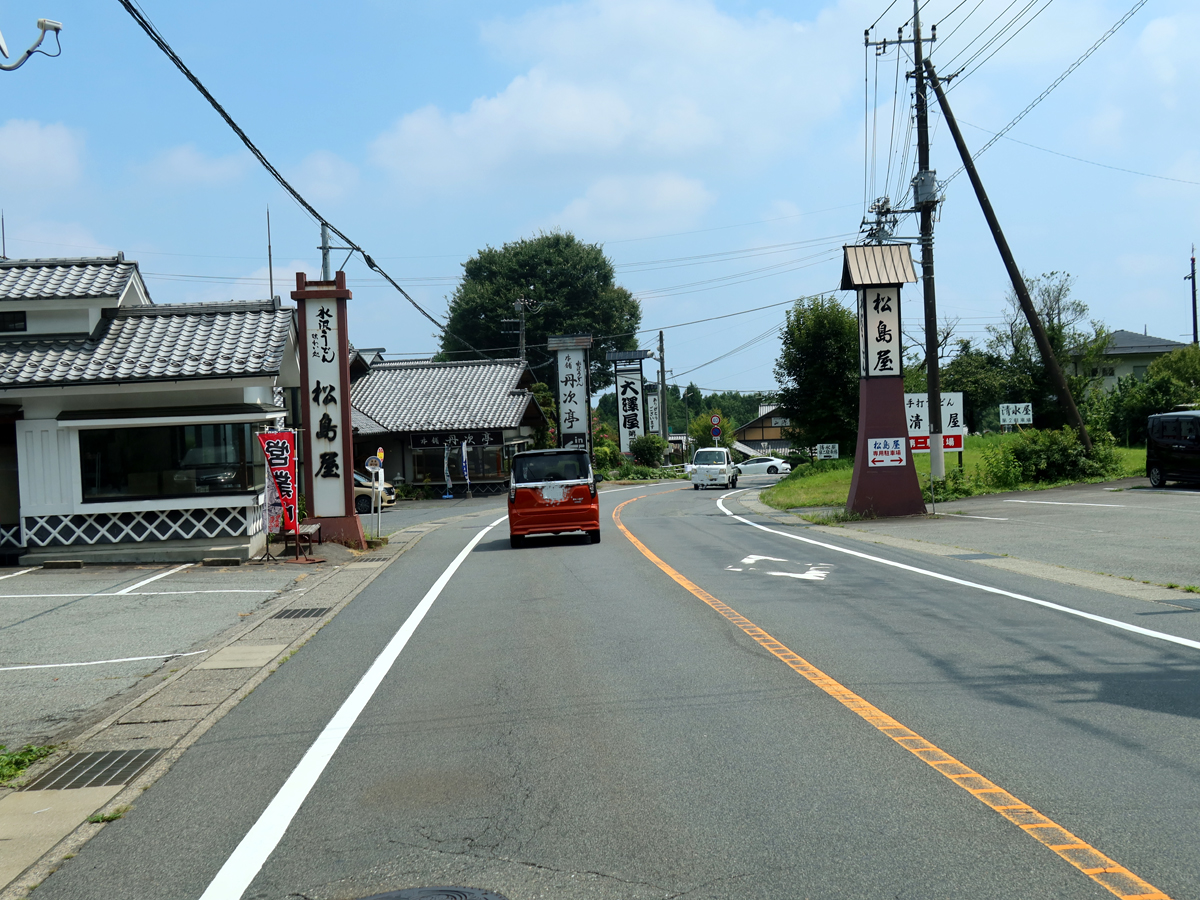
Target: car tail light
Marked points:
592	487
512	493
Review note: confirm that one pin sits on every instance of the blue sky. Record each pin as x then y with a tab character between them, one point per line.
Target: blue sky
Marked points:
716	150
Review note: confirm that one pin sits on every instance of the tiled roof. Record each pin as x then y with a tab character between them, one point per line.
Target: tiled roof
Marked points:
428	396
362	424
42	279
1131	342
157	343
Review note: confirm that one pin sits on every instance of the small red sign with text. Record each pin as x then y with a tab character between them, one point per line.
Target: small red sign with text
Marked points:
279	449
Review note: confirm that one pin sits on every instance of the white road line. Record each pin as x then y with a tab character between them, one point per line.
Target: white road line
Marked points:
1124	626
1063	503
965	516
101	662
129	594
15	574
262	839
134	587
634	487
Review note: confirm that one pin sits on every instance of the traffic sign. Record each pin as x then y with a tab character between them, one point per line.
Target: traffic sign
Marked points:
716	431
715	419
374	463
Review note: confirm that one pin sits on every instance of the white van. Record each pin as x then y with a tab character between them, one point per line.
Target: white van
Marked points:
713	466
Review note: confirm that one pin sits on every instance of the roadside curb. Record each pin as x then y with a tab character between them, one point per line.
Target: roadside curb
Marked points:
340	585
1109	584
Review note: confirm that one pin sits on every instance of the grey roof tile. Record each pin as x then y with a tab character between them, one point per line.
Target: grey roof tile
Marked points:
43	279
159	343
429	396
1121	341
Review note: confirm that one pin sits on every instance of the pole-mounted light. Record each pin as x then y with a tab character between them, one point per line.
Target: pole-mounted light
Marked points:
44	25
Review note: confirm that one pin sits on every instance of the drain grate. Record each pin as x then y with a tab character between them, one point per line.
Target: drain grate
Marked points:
314	613
101	769
438	893
372	559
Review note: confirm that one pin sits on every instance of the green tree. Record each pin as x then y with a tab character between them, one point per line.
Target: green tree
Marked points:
817	371
545	436
571	289
648	450
980	376
700	430
1077	348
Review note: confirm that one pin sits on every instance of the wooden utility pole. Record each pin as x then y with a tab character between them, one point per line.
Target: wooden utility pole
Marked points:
1018	281
925	201
1192	279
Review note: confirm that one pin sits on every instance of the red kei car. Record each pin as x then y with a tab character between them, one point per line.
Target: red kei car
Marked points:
552	491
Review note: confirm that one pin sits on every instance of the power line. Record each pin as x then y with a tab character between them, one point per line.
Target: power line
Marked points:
1057	81
161	43
1002	46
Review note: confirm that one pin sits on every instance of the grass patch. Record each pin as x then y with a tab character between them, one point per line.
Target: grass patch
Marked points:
13	764
117	813
827	482
836	518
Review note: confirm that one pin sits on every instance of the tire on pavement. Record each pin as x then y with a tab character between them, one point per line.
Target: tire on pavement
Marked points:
362	504
1157	477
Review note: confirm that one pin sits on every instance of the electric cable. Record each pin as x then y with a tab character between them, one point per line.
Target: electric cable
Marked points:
961	78
161	43
1044	94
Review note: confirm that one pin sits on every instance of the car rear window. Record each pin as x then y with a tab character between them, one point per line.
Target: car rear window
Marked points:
710	457
1170	429
551	467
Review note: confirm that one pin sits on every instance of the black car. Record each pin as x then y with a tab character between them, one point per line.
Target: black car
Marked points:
1173	447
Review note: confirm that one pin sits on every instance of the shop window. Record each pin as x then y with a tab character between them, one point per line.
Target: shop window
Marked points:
484	464
169	461
12	321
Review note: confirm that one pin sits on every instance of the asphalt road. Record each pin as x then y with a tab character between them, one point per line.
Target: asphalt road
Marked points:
572	721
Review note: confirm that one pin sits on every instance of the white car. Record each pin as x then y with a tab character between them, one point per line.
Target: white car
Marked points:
764	465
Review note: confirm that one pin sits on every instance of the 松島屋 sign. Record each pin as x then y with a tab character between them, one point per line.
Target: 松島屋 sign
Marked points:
879	332
886	452
954	428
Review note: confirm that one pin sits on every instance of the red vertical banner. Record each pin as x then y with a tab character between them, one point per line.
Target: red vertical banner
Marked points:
279	450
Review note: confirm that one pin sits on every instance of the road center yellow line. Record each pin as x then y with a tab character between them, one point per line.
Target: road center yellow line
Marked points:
1084	857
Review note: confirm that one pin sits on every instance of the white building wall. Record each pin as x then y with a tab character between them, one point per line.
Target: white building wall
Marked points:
47	467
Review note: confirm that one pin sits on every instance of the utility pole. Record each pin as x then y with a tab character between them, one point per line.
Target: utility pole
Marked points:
1018	281
326	274
663	388
925	200
1192	279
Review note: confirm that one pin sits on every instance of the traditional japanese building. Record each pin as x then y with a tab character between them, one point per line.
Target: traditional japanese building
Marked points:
764	436
126	428
414	410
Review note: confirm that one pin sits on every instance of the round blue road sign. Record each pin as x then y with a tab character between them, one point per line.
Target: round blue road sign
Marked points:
716	431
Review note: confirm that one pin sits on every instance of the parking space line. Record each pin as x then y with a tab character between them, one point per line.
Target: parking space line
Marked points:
132	594
134	587
101	662
965	516
1103	870
1065	503
15	574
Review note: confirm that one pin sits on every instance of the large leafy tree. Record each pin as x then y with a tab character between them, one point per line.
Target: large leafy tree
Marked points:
817	372
572	291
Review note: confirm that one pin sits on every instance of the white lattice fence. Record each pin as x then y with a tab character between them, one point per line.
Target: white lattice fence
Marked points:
10	536
144	525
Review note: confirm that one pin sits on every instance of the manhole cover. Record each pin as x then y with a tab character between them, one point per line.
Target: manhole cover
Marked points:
438	893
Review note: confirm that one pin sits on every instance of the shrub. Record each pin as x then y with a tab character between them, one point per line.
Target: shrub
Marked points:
648	450
1048	456
605	454
631	472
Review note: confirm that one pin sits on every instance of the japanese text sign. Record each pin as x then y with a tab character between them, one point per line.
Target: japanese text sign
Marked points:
916	414
827	451
887	452
1016	413
574	403
629	406
652	413
279	450
323	349
879	332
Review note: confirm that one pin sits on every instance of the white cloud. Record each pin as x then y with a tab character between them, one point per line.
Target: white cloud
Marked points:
325	176
618	207
37	158
665	82
186	166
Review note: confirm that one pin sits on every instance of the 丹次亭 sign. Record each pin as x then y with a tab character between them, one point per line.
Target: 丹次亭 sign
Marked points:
574	413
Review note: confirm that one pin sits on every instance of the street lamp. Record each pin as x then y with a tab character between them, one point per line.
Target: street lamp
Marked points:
43	24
